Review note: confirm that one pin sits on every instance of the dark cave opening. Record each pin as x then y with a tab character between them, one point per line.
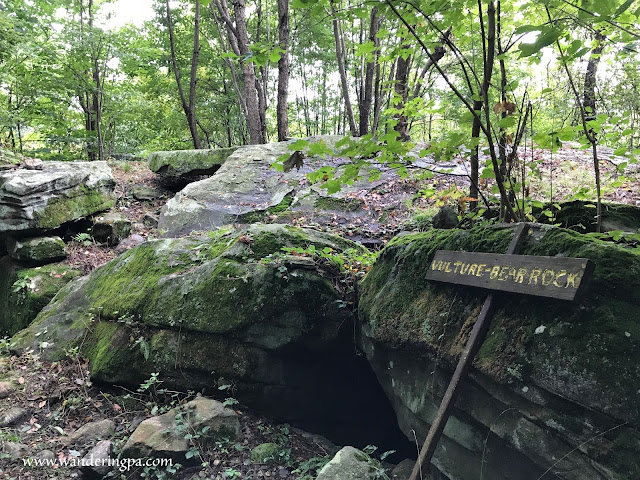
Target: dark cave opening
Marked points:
334	392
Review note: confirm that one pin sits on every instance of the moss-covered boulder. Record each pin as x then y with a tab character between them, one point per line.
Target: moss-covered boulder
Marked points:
581	216
351	464
39	200
181	163
555	385
26	291
37	251
199	310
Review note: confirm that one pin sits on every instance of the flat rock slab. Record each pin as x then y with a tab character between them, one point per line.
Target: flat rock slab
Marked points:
91	432
181	163
96	462
246	190
144	194
39	200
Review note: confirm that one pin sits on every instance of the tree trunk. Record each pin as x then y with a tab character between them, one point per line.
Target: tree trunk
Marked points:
367	90
589	109
401	87
283	70
340	57
589	94
254	123
436	56
90	105
187	106
193	79
242	113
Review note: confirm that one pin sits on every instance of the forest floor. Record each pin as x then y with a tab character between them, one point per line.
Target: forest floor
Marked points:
58	398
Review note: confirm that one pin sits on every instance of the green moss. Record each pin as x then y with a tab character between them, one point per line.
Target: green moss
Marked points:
266	453
109	351
221	300
60	210
221	240
585	345
25	292
129	284
492	344
581	216
267	243
339	204
37	251
616	267
260	215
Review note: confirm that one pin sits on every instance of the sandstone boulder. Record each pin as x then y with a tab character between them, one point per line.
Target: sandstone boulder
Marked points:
145	194
96	463
349	464
35	252
227	305
38	200
181	163
110	228
164	436
90	433
246	190
581	216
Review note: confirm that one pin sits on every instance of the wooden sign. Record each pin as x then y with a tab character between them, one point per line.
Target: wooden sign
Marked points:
556	277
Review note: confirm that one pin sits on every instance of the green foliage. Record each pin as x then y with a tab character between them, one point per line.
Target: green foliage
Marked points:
308	469
84	238
348	262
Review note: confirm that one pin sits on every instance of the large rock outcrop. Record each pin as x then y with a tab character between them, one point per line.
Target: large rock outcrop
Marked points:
246	190
202	310
581	216
38	200
554	391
